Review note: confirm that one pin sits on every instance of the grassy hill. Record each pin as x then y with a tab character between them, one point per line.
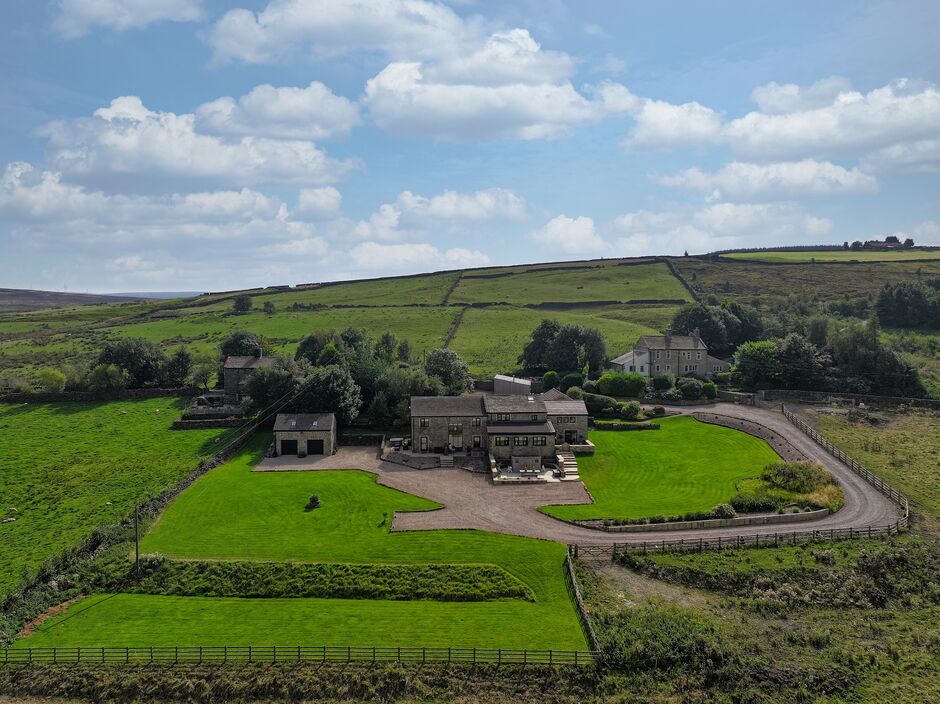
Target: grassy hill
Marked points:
13	300
484	314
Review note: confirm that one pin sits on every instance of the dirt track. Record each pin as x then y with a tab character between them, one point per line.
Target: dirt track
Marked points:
473	501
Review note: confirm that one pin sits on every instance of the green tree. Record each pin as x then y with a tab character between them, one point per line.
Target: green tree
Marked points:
178	368
107	377
379	412
817	330
51	380
329	390
404	352
242	343
802	365
713	324
385	347
621	384
691	389
550	380
141	359
310	347
269	308
330	355
267	385
758	364
354	339
535	353
571	379
242	303
453	372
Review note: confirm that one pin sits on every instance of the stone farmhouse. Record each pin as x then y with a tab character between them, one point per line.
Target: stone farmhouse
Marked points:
305	434
513	430
679	355
236	370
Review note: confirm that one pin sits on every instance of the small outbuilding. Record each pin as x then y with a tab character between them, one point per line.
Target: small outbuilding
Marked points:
504	385
303	434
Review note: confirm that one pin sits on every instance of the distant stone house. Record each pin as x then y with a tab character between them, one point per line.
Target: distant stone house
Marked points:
678	355
507	427
305	434
236	370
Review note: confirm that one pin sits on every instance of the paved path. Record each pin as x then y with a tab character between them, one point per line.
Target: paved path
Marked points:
473	501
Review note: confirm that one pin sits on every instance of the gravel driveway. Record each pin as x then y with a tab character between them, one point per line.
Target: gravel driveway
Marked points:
473	501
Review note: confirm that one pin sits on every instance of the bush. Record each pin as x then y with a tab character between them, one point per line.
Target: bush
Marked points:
313	503
107	377
242	303
622	384
709	390
571	379
550	380
630	410
724	511
671	395
798	477
597	403
723	378
659	411
662	382
589	386
575	392
51	380
691	389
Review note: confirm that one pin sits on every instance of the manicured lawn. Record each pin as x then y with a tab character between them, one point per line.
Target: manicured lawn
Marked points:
491	339
684	466
234	514
837	256
604	283
69	467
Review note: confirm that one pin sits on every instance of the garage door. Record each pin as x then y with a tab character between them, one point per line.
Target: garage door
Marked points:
288	447
314	447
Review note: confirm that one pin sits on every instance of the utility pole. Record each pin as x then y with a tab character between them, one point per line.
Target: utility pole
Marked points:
137	541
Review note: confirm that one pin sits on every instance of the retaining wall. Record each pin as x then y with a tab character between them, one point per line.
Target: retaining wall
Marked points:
764	520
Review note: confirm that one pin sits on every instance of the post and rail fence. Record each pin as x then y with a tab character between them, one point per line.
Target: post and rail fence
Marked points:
221	654
776	539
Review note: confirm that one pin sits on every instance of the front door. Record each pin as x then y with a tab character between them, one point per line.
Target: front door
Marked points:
424	443
455	439
477	441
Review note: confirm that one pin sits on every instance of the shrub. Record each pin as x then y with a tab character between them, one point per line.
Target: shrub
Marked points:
724	511
661	382
575	392
51	380
571	379
550	380
798	477
723	378
671	395
691	389
630	410
659	411
589	386
709	390
597	403
242	303
313	503
107	377
621	384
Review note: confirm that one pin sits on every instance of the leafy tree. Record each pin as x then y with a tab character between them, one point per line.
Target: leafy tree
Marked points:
595	349
310	347
453	372
758	364
909	304
269	308
269	384
329	390
718	327
859	354
709	390
51	380
330	355
535	353
817	330
567	350
354	339
141	359
570	380
550	380
385	347
242	303
107	377
749	326
801	364
379	412
178	368
404	352
398	384
242	343
621	384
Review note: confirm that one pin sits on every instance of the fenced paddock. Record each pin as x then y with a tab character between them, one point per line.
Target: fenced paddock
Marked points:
285	654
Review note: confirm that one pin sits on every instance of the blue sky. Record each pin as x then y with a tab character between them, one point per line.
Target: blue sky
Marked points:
187	145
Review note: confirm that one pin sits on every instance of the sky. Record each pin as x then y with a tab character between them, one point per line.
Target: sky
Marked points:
190	145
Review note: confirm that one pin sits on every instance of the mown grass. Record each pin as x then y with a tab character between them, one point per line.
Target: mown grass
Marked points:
605	283
491	339
836	256
685	466
69	467
234	514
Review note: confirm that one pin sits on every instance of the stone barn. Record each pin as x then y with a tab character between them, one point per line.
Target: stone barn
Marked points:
303	434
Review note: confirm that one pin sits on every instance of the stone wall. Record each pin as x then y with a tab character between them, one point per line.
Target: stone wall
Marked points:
119	395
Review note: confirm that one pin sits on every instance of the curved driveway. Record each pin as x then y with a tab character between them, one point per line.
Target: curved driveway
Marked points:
473	501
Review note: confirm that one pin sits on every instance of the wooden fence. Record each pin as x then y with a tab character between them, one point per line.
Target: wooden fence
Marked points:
287	654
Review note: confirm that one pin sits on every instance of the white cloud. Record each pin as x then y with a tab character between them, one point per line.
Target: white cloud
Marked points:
489	204
76	17
394	27
128	144
314	112
382	224
305	247
927	232
570	235
851	123
776	99
660	124
739	181
318	203
400	258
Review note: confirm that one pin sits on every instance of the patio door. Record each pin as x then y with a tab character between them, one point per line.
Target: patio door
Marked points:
455	439
571	436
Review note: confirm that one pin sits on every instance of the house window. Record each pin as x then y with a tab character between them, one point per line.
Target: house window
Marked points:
520	440
533	417
501	440
423	423
658	354
503	416
572	419
539	441
668	354
642	368
632	368
424	443
455	428
698	355
657	367
475	422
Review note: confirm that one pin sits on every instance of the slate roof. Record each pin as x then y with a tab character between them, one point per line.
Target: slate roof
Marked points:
251	362
513	404
304	422
571	407
554	395
452	406
544	428
679	342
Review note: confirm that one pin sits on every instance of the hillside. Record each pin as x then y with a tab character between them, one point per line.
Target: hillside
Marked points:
13	300
485	314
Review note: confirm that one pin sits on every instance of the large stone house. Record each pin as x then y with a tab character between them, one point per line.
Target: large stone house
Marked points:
678	355
509	428
236	370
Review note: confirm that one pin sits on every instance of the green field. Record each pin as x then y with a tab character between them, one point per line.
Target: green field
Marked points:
234	514
604	283
491	339
69	467
684	466
837	256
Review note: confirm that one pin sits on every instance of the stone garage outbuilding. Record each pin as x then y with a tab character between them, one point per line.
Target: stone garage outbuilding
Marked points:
304	434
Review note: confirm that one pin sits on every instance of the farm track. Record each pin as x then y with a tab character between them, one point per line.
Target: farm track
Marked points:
471	501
